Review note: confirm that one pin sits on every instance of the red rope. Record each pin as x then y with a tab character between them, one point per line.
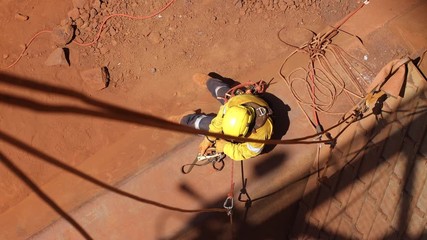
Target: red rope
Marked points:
26	47
231	193
231	196
338	25
123	15
99	31
259	88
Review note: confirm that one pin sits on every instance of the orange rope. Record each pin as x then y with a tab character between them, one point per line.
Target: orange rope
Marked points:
316	49
346	18
231	194
26	47
123	15
99	32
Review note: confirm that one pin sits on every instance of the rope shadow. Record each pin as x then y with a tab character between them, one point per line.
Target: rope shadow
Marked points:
55	162
344	178
101	110
212	227
95	108
108	111
21	175
336	183
104	110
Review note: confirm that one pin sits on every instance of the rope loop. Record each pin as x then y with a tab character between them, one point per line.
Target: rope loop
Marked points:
247	88
243	192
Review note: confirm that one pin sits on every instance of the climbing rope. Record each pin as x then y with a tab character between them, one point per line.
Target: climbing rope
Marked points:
321	78
323	83
97	36
316	50
26	47
248	87
229	201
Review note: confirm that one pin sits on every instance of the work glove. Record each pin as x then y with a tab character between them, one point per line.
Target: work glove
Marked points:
204	145
219	145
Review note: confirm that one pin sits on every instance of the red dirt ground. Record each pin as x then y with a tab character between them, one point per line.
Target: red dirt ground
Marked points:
150	62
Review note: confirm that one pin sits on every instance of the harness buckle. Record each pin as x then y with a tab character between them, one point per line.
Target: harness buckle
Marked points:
261	111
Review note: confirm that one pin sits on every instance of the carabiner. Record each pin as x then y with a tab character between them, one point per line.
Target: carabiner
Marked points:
228	205
218	164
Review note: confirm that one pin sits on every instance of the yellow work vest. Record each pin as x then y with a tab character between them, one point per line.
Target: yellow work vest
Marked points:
242	151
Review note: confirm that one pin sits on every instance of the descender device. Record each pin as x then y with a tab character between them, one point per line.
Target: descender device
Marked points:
211	156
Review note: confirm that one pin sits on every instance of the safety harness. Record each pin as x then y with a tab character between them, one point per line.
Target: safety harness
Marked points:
262	113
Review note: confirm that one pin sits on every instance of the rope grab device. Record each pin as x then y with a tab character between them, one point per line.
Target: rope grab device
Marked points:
216	158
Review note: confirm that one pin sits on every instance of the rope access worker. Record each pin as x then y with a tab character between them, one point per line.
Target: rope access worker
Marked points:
243	115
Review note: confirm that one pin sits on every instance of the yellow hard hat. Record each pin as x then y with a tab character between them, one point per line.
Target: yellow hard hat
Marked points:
237	120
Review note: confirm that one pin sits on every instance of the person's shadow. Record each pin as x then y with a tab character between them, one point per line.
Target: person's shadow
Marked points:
280	111
280	118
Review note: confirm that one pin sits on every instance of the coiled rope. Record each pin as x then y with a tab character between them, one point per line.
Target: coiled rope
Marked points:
321	77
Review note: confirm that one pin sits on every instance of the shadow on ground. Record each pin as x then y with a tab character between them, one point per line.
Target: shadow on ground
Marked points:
203	225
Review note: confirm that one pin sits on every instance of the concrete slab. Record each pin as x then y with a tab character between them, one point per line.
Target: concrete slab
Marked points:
411	27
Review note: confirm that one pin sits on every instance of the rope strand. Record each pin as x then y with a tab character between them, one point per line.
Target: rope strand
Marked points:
97	35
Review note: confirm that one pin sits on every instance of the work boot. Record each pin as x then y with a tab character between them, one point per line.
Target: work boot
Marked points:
201	79
178	118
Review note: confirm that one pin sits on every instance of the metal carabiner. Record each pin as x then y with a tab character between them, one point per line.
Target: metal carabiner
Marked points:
218	164
228	205
205	157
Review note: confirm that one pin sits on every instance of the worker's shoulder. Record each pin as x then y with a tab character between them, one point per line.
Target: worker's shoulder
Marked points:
264	132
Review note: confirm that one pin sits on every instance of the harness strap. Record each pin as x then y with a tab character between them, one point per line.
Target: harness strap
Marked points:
262	113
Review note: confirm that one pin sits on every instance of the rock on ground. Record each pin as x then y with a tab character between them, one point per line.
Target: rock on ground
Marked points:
95	78
57	58
62	35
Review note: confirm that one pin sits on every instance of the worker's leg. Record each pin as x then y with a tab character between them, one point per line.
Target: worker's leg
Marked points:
217	88
197	121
